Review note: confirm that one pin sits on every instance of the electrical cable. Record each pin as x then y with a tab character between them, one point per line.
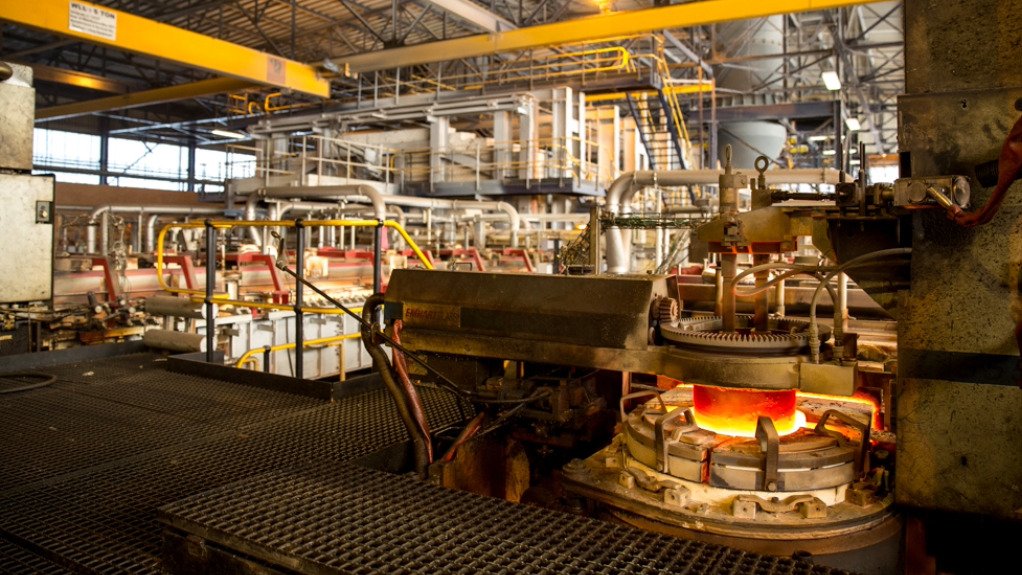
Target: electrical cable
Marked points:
856	262
14	376
444	382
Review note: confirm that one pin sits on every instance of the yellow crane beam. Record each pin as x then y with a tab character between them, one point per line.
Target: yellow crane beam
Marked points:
108	27
583	30
590	29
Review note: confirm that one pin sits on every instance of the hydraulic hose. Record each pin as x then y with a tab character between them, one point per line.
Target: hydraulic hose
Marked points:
420	441
470	431
415	402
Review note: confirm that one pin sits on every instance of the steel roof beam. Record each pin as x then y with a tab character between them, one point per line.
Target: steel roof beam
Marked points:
614	24
475	14
144	98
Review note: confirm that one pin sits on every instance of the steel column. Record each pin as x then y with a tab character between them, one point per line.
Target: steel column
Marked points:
210	288
299	293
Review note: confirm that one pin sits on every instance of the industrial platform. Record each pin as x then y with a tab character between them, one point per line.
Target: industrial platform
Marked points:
126	465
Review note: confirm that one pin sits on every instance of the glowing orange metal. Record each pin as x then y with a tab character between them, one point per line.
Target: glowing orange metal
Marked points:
859	398
736	411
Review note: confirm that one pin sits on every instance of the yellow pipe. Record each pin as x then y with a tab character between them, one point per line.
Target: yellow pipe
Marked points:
323	341
675	89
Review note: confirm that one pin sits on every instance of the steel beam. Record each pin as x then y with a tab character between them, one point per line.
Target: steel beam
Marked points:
124	31
77	79
790	110
144	98
475	14
614	24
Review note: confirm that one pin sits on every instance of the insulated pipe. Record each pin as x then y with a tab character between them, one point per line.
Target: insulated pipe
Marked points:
97	216
101	217
174	340
395	212
363	193
157	211
513	217
250	215
283	207
349	192
623	189
104	232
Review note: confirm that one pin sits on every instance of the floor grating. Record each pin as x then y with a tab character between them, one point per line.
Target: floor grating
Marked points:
84	466
342	518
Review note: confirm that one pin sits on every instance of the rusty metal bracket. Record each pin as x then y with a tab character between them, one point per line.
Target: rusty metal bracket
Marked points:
746	506
862	461
770	445
659	437
637	395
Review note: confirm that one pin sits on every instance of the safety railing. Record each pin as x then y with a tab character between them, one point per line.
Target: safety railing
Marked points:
314	160
210	297
332	341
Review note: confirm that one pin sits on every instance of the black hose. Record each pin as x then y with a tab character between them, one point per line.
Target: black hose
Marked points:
46	380
420	440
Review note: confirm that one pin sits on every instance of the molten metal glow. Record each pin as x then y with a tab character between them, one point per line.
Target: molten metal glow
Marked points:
736	411
859	398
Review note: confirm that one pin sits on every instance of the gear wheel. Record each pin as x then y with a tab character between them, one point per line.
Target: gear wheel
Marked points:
668	310
783	336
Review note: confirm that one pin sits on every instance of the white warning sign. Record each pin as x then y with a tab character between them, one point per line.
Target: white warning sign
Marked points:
92	20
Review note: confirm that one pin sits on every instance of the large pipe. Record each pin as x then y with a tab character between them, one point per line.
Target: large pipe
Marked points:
394	212
380	201
177	341
98	218
624	188
283	207
250	215
156	211
513	217
349	192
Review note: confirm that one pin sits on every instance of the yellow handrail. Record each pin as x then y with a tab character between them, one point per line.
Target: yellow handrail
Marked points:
223	299
323	341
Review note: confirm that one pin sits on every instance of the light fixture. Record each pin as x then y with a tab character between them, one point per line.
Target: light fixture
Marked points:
229	134
853	124
829	152
823	138
831	80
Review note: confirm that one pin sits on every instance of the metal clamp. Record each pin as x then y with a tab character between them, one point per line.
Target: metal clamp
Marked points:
659	438
862	461
770	445
745	506
638	394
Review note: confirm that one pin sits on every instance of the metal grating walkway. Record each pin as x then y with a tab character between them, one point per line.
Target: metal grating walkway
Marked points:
341	518
86	462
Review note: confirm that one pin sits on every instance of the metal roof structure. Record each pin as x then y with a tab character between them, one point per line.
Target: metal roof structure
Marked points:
862	42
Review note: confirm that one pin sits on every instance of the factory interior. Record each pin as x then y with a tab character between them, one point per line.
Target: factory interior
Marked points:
496	286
